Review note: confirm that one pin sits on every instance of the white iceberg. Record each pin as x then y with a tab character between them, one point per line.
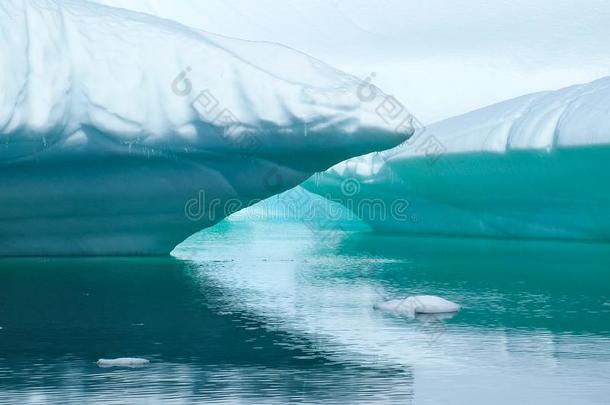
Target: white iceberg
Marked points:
123	362
532	167
418	304
123	133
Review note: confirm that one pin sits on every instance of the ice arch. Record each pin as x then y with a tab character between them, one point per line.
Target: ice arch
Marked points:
122	133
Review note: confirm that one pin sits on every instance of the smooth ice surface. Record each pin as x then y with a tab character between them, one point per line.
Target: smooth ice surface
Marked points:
123	362
439	58
532	167
123	133
418	304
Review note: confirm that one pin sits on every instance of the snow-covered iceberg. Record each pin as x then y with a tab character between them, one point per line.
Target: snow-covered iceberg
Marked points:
533	167
123	133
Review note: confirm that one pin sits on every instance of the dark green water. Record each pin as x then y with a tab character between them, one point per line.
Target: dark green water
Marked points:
270	312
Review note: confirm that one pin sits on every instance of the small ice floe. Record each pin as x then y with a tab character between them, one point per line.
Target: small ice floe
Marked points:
123	362
418	304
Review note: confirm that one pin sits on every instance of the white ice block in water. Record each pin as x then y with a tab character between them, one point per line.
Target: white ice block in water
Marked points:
123	362
123	133
418	304
531	167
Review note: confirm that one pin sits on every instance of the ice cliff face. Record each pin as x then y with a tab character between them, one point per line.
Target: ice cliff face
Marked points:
532	167
122	133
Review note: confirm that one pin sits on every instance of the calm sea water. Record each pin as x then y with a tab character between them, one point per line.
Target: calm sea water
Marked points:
274	312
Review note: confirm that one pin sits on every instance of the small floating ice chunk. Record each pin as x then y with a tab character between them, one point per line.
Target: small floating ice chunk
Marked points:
418	304
123	362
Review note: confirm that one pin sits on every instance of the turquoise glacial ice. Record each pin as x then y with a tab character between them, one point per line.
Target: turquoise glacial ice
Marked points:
533	167
123	133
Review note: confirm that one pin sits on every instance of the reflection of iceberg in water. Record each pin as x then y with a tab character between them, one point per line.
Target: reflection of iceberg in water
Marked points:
505	286
525	307
61	315
251	308
533	167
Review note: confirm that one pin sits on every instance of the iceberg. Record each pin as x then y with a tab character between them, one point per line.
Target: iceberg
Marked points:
532	167
123	133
